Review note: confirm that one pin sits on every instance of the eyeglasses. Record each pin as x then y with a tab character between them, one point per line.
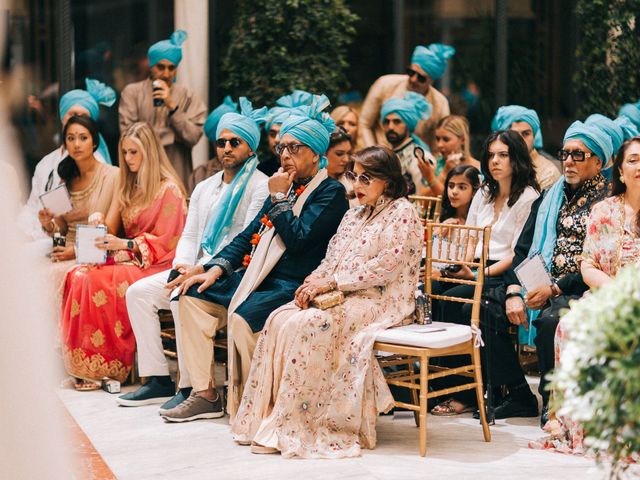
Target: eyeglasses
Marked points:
293	148
364	179
576	155
222	142
421	78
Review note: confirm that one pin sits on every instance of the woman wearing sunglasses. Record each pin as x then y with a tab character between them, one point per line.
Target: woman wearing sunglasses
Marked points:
315	389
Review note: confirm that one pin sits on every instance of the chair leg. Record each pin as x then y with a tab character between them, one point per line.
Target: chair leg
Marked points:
414	393
480	394
424	388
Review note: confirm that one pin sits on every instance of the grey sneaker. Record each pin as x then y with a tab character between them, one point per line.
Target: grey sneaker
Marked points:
194	408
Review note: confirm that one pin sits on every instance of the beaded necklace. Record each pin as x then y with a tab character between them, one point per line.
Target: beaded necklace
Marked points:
265	225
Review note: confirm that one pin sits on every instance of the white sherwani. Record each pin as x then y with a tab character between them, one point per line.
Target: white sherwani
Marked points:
148	295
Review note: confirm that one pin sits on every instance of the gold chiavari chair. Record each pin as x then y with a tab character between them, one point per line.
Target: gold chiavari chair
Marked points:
428	207
405	345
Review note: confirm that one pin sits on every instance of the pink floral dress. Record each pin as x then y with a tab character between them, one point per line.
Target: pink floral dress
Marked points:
315	388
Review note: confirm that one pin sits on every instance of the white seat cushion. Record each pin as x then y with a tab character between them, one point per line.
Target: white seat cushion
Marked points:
434	335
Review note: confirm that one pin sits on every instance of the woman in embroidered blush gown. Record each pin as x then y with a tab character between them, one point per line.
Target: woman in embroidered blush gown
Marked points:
315	388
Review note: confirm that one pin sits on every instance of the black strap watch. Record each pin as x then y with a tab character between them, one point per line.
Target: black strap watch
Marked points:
130	244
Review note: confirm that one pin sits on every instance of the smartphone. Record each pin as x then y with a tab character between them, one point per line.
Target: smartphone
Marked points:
173	274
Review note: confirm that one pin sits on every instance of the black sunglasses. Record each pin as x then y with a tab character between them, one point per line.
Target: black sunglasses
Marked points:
421	78
222	142
364	179
576	155
293	148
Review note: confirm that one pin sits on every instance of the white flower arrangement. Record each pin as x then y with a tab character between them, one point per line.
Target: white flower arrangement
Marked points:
597	382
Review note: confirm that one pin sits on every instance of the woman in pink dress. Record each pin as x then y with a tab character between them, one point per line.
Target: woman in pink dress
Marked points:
315	388
149	208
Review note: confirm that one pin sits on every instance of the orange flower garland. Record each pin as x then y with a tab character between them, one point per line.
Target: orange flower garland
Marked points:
266	225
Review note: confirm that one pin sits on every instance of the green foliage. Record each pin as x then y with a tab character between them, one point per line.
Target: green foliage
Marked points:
598	380
279	45
608	55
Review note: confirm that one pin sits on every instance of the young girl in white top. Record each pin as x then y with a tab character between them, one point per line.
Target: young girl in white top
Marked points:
504	202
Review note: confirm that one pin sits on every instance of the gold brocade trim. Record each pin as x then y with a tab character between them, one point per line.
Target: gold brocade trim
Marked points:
75	308
99	298
122	289
118	328
95	367
97	338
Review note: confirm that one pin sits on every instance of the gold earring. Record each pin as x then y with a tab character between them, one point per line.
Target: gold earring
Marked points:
621	179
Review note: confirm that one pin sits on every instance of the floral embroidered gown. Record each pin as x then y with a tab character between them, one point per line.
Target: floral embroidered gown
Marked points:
609	245
315	388
96	333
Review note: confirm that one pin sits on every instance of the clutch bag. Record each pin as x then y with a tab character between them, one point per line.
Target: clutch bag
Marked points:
327	300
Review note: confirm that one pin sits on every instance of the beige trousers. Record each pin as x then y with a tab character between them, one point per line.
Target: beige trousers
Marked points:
245	342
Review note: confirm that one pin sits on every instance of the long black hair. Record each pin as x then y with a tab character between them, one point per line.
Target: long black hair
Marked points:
523	174
469	172
67	168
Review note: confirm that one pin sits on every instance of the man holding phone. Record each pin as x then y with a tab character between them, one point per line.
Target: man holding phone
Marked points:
173	111
220	207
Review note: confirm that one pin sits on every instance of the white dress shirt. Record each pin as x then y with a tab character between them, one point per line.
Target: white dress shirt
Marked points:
507	228
204	200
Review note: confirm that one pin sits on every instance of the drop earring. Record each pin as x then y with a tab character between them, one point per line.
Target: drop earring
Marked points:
621	179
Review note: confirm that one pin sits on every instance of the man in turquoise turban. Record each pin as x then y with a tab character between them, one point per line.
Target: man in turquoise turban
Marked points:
525	121
278	114
260	270
213	166
174	112
220	207
400	116
556	229
428	64
75	102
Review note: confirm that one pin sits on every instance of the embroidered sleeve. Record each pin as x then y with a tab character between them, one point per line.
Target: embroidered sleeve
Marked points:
279	208
222	263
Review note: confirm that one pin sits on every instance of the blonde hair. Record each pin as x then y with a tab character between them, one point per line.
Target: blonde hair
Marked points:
142	187
459	126
342	111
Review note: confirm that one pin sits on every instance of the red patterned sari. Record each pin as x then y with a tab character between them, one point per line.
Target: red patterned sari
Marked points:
96	333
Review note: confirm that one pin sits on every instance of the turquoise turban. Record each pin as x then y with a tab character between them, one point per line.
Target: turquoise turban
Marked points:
310	125
433	59
284	104
246	124
97	93
412	108
211	124
632	112
609	127
509	114
628	128
594	138
168	49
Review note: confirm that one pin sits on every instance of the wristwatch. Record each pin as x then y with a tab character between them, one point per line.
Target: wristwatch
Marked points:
278	196
130	244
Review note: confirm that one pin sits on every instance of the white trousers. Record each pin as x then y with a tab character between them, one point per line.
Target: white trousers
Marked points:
144	298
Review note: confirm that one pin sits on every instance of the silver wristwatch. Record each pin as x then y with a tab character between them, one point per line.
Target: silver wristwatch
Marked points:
278	196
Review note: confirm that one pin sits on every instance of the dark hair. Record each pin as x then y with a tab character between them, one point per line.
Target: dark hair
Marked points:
67	168
617	187
469	172
381	162
339	135
523	174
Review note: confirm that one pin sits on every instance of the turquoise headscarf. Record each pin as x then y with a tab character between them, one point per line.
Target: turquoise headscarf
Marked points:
211	124
284	104
627	126
168	49
247	125
433	59
632	112
311	126
96	94
610	127
509	114
593	137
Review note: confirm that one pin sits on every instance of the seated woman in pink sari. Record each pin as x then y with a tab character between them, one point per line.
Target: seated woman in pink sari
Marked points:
612	242
315	389
150	208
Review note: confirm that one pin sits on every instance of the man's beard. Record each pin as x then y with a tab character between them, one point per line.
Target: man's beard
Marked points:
232	163
394	139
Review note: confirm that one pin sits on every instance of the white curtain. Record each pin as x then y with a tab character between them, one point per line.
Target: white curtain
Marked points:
193	17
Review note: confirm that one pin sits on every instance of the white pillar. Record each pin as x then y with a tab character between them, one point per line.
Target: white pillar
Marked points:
193	72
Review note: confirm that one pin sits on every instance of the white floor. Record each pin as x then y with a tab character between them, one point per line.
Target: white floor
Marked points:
137	444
